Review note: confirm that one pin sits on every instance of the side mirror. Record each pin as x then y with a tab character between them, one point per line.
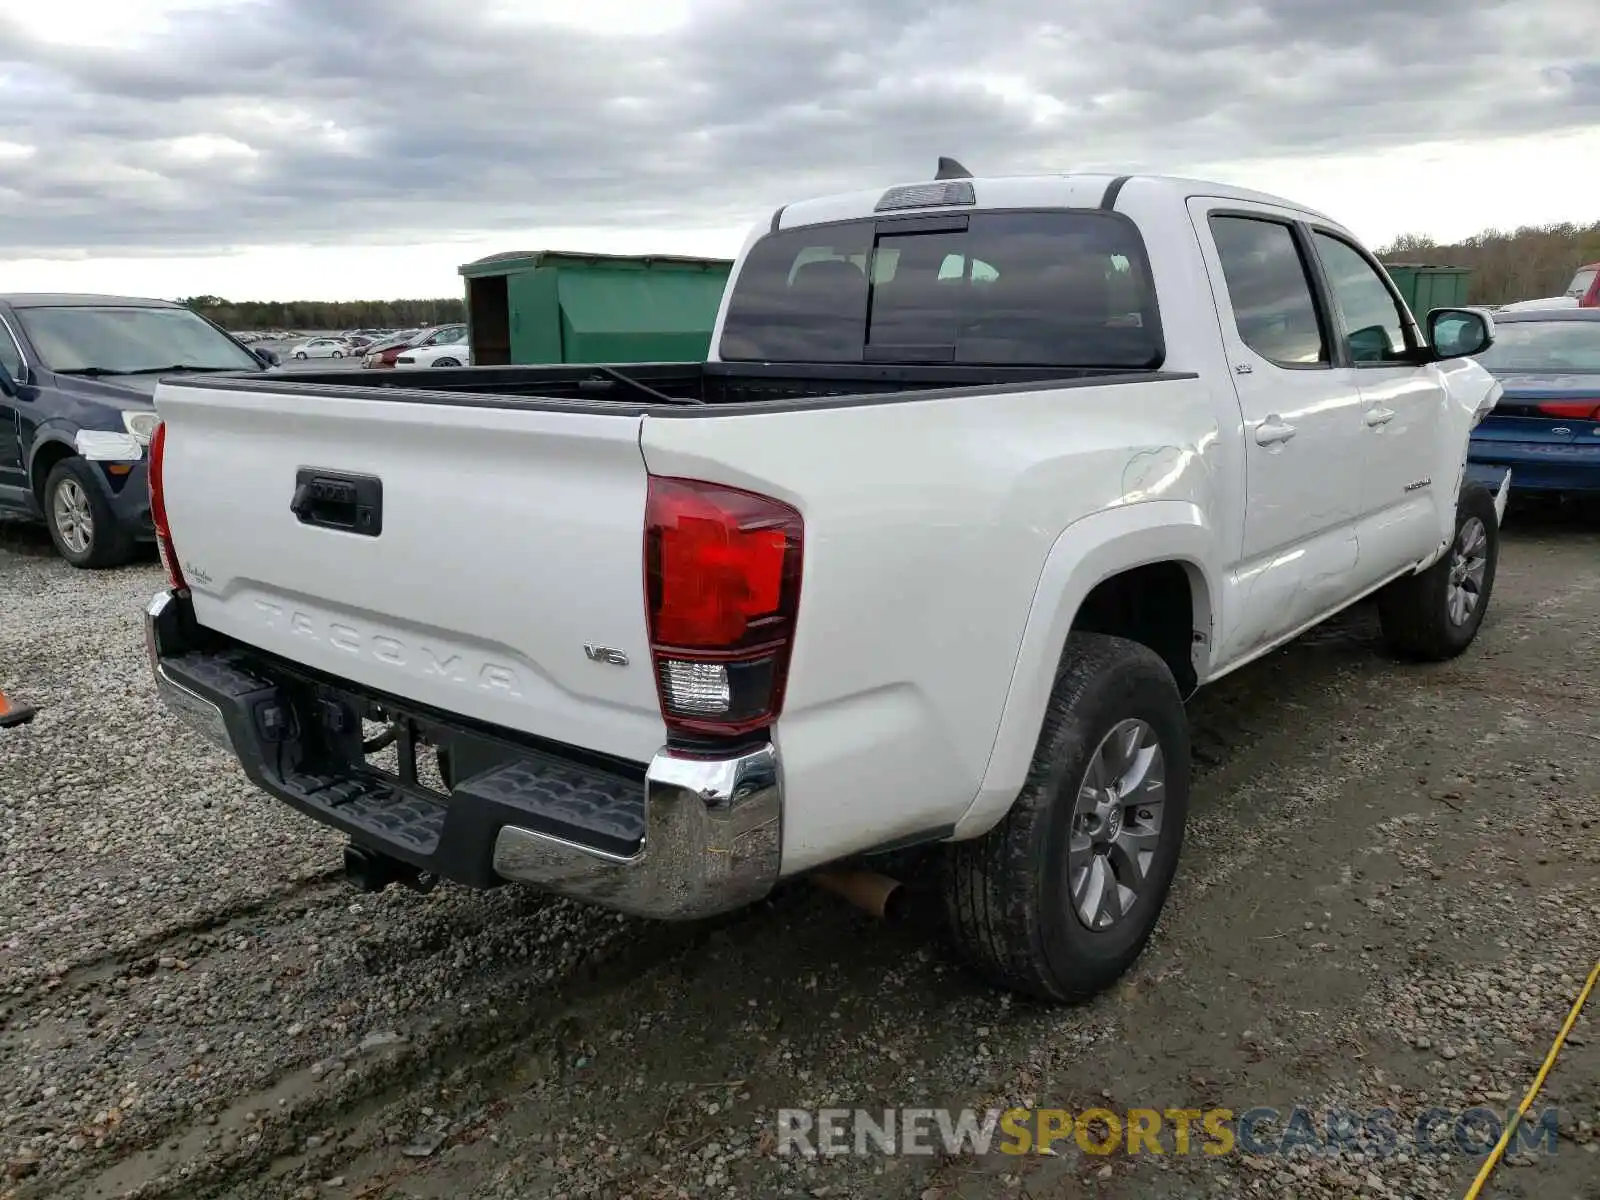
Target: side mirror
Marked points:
268	357
1459	332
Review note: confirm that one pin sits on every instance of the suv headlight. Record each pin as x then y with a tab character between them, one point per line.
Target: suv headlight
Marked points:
141	424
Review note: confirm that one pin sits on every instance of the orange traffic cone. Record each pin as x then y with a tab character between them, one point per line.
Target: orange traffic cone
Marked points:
12	713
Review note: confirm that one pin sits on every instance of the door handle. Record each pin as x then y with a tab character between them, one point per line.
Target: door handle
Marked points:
1379	415
1273	431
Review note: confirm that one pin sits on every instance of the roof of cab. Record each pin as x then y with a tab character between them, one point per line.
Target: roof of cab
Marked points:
1063	190
79	300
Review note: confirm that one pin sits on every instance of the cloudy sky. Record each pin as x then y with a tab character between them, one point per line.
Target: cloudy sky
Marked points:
272	149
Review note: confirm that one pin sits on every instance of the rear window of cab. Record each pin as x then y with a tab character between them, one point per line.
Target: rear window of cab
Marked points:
1058	289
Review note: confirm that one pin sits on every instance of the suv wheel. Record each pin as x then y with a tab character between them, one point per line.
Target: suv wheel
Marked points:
85	531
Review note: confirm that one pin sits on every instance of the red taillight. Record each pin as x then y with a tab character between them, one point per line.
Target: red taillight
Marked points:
722	586
158	509
1582	410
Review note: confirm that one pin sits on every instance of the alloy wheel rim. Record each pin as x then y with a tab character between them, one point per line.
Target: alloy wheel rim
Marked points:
1116	824
74	520
1469	564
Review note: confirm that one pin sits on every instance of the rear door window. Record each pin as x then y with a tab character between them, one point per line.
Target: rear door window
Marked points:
1269	290
1061	288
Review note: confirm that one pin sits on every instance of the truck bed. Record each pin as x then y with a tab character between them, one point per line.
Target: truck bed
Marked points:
637	387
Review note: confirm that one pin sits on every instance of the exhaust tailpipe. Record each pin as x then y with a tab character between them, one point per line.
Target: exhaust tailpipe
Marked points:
869	891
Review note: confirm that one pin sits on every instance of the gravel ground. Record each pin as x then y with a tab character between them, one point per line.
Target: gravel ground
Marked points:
1389	898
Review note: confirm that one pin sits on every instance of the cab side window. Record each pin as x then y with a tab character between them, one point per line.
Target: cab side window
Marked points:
1269	291
1374	325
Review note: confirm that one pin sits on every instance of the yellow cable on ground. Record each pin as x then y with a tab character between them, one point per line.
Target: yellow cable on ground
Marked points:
1498	1152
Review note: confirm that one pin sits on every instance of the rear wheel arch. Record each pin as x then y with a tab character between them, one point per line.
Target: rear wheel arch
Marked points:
1163	605
1161	552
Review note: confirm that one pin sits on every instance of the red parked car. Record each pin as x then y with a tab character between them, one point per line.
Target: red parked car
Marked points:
383	354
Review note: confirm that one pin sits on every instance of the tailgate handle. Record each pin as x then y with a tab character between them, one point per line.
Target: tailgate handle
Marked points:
338	500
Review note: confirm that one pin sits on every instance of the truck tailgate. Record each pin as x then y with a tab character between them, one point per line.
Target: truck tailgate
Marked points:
510	539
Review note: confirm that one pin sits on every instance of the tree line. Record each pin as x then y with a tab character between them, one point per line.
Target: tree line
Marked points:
243	316
1526	263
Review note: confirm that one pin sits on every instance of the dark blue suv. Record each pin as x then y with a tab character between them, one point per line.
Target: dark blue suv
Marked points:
76	378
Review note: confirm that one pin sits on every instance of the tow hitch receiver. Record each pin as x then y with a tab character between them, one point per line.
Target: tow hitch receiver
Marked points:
372	872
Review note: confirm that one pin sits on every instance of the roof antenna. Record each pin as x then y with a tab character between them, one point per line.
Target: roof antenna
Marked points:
949	168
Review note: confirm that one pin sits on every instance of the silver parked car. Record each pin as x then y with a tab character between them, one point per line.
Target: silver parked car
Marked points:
325	347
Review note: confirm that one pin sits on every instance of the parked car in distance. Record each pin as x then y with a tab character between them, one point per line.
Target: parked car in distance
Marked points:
1538	304
76	377
1545	428
1585	286
983	479
440	354
322	347
384	351
384	355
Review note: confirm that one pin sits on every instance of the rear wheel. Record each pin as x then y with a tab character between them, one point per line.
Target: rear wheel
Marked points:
1058	900
1436	615
300	354
84	529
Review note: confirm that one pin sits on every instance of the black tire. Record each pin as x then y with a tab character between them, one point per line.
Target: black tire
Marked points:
446	362
338	354
1416	611
300	354
1008	893
71	487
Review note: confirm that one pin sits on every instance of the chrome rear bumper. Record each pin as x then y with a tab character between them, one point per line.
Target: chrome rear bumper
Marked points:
713	840
708	839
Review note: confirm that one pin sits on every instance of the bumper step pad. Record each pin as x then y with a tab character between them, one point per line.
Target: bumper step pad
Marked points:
567	803
452	837
383	812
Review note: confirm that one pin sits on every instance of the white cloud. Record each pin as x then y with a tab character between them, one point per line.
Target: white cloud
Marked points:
1448	190
617	18
364	147
104	23
206	147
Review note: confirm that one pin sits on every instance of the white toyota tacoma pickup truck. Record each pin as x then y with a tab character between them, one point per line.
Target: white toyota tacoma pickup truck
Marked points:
984	477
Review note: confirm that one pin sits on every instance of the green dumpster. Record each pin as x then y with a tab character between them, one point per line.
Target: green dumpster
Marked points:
1427	287
527	307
